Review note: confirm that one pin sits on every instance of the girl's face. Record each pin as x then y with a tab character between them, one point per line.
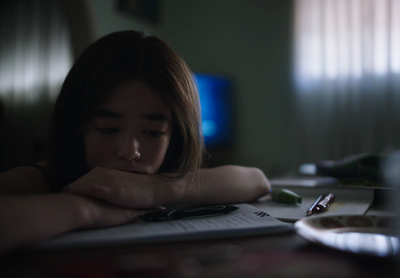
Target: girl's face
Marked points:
130	131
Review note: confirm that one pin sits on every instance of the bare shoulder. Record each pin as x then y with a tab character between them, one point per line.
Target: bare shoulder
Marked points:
24	180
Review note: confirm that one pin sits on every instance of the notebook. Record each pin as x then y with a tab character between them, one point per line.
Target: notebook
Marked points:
246	221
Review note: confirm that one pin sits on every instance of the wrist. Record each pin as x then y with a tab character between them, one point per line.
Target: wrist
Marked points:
80	210
171	191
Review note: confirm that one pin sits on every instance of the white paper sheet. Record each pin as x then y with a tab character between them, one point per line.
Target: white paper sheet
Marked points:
245	221
348	200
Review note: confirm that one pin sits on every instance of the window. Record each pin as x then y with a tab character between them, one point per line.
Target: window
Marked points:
346	77
345	38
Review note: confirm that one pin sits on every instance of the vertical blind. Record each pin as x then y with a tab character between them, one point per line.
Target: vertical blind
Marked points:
347	77
342	38
35	56
35	52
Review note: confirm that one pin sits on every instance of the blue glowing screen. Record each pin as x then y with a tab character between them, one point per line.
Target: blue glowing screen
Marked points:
216	108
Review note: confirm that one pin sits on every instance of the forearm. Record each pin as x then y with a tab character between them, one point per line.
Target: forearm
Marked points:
31	218
225	184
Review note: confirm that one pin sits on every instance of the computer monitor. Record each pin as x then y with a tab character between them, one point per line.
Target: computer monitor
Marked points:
216	99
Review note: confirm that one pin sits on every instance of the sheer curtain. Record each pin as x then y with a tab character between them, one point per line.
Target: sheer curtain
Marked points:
347	77
35	56
35	52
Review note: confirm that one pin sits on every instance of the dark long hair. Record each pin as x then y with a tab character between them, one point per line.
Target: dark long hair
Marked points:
108	61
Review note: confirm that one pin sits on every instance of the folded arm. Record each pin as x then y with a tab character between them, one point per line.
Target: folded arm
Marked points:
106	197
221	185
25	219
225	184
28	213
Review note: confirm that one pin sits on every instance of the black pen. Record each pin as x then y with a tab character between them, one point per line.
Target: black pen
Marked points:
185	213
314	205
324	204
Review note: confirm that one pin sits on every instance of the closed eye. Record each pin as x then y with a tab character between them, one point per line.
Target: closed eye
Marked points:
107	131
154	133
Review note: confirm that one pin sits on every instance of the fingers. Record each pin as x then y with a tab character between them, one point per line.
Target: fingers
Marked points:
116	218
117	187
119	216
132	216
93	184
104	214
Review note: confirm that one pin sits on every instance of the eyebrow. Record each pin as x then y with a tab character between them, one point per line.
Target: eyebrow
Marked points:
108	114
154	117
157	117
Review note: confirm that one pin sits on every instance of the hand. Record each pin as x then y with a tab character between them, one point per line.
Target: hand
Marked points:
29	218
121	188
100	214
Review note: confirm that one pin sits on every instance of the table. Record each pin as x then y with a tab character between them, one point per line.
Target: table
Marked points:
283	255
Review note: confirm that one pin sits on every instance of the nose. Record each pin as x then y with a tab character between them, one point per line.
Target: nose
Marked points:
129	149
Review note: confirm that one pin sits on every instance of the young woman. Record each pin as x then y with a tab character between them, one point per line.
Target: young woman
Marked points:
125	138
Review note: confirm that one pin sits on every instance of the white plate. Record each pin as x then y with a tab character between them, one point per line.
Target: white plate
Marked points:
367	235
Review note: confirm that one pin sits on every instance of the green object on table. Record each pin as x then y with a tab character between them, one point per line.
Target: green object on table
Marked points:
286	196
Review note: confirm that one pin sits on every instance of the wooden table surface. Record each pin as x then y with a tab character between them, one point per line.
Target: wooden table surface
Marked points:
284	255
